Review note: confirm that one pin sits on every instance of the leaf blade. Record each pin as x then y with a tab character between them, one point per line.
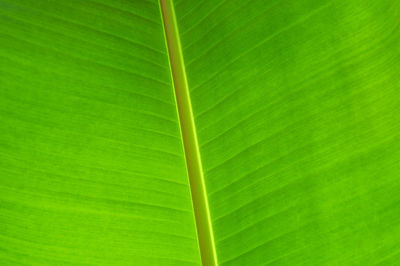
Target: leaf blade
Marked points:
92	166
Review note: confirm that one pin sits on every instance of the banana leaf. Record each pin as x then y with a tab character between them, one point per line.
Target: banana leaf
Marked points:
147	132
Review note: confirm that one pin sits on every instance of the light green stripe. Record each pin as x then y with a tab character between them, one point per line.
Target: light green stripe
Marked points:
188	128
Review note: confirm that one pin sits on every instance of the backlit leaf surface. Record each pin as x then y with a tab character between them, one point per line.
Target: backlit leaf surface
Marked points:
296	109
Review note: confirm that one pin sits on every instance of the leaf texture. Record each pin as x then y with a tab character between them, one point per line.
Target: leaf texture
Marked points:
296	114
92	169
296	105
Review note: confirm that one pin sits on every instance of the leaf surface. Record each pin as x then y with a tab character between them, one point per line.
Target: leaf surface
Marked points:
294	131
296	105
92	169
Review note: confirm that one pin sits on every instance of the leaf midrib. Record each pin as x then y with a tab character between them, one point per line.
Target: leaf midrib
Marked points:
189	136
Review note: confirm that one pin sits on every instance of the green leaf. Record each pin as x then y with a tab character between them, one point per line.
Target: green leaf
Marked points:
297	108
221	132
92	165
